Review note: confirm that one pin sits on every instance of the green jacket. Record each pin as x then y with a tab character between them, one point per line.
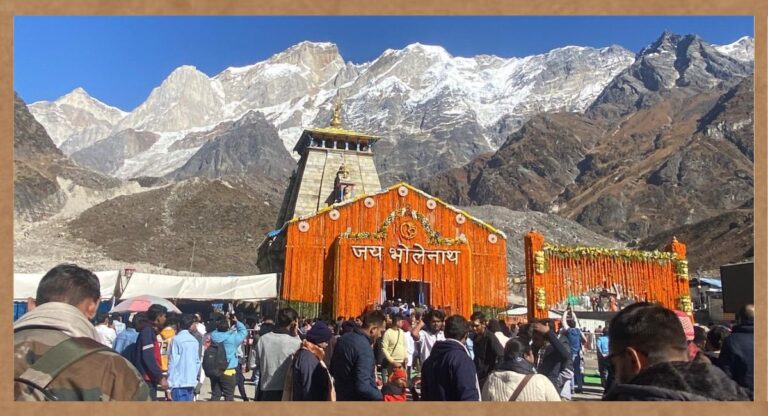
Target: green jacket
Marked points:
101	376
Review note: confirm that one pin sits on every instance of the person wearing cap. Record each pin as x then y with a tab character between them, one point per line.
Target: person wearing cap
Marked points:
308	378
694	353
395	389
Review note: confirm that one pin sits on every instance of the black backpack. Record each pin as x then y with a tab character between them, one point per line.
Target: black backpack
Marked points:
130	353
215	360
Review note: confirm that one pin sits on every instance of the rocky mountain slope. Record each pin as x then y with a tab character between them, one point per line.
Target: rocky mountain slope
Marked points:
222	220
250	145
718	240
45	180
109	155
667	144
673	63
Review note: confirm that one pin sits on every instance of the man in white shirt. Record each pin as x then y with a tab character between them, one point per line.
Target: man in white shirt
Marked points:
106	333
429	333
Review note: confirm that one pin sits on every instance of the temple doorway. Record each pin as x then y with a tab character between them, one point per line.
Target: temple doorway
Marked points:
408	291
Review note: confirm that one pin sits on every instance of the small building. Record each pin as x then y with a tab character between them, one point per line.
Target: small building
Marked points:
345	247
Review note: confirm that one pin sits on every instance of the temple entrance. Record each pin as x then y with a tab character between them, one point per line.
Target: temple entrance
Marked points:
408	291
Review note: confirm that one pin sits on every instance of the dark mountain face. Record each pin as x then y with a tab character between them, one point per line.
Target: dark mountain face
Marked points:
722	239
108	155
250	145
686	63
732	118
31	141
222	220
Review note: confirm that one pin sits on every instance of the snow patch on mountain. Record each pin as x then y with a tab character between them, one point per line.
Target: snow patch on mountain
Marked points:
742	49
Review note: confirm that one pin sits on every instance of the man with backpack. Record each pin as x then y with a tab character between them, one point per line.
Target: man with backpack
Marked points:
220	358
57	352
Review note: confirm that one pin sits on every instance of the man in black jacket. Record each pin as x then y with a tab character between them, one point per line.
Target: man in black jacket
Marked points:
737	357
353	365
553	355
449	374
649	353
486	353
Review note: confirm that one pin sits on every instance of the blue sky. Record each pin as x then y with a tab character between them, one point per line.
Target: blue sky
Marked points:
119	59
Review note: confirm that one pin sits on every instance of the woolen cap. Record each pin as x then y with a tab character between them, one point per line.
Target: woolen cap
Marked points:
319	333
685	320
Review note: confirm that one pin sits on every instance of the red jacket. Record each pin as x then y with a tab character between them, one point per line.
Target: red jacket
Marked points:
393	393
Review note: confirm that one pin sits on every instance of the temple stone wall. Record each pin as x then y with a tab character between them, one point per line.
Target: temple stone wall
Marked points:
316	177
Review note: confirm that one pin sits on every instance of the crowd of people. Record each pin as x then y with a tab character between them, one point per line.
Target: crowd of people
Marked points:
64	351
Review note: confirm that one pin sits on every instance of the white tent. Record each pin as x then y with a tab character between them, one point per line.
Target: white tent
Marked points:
257	287
25	284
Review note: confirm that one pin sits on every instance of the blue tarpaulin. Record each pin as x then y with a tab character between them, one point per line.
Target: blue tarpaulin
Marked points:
712	282
20	308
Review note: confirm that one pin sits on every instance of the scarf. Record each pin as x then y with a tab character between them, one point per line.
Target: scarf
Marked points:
315	350
518	364
59	316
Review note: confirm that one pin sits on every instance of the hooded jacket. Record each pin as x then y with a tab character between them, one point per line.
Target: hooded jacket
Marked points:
679	381
449	374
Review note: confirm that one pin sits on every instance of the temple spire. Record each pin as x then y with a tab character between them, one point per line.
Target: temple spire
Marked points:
336	120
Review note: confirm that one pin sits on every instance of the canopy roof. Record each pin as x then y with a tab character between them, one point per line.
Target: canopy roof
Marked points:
25	284
257	287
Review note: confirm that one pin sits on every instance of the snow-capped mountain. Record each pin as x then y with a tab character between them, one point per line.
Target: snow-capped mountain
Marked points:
434	110
186	99
671	62
741	50
76	120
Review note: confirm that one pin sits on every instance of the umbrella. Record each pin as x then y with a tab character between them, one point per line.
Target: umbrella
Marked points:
142	303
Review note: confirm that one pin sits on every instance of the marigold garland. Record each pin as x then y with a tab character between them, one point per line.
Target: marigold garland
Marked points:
433	236
541	298
577	252
685	304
